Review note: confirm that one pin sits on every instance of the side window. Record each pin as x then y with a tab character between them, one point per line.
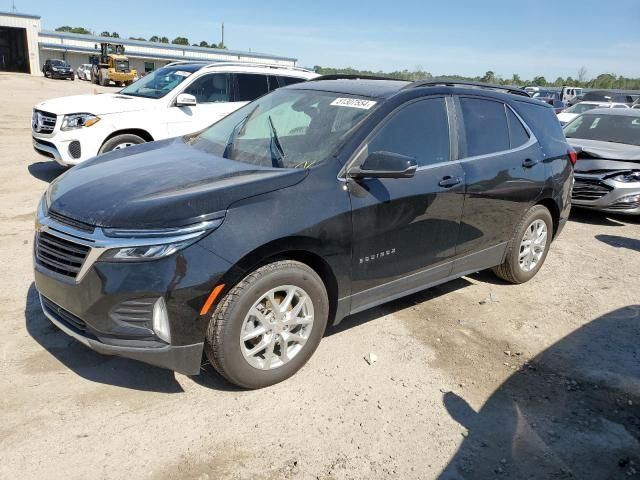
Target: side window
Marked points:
273	83
291	80
485	126
251	86
420	130
215	87
517	134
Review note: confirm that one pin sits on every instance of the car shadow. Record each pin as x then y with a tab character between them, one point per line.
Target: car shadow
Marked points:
90	365
593	217
46	171
620	242
573	411
389	308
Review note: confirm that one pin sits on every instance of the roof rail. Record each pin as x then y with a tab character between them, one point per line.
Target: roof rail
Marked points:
345	76
463	83
208	63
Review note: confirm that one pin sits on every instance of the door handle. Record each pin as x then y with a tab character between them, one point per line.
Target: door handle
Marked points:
528	163
449	181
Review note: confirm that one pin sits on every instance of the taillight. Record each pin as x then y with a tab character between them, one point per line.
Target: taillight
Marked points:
573	156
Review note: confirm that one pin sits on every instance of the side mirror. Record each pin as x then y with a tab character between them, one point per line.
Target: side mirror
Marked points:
385	165
185	100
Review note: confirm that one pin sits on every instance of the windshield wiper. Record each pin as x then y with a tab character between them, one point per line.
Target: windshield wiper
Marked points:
234	133
277	153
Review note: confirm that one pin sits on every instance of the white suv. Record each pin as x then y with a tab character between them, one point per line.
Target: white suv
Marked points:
178	99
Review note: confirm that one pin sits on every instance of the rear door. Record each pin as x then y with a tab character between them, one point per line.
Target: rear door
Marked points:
405	230
504	173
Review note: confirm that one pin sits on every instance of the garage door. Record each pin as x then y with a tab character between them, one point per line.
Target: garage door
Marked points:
14	53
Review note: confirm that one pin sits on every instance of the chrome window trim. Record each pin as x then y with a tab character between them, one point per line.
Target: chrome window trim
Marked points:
342	175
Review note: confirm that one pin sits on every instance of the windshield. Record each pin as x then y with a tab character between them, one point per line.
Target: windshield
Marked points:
606	128
59	63
158	83
286	129
545	94
581	108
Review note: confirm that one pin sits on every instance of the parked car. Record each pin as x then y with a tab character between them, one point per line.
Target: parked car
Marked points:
569	94
550	97
54	68
83	72
180	98
610	96
607	175
572	112
316	201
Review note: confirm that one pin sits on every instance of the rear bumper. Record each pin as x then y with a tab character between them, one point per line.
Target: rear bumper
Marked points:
184	358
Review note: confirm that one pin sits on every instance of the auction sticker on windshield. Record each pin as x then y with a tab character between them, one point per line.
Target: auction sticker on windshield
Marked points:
353	103
182	73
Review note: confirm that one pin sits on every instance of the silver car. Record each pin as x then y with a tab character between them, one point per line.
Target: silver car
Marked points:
607	173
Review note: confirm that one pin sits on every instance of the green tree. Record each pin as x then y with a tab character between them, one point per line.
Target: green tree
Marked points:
540	81
115	35
515	79
142	39
155	38
180	41
204	44
67	28
105	34
164	40
489	77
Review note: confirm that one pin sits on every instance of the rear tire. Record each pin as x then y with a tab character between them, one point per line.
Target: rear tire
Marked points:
290	334
121	141
528	248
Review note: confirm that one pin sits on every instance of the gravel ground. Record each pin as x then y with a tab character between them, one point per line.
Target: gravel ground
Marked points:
474	379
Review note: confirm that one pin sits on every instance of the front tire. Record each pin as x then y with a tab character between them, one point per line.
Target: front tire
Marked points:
527	250
121	141
268	325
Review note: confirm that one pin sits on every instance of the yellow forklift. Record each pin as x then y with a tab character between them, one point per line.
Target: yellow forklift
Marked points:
111	65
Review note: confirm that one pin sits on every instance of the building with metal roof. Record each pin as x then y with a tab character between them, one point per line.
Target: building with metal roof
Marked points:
24	47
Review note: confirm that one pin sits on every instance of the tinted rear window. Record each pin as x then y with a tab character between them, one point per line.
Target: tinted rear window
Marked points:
544	123
251	86
485	126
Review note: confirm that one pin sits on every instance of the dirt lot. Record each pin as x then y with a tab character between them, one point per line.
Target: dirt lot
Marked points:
474	379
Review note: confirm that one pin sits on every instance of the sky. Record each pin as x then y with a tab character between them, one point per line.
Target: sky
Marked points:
542	37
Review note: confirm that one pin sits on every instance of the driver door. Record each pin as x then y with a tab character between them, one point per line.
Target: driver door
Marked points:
214	97
405	230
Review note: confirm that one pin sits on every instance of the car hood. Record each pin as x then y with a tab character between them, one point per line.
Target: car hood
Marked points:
158	185
100	104
598	155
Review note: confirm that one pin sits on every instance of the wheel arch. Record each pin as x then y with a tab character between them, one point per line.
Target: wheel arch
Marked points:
140	132
301	249
551	205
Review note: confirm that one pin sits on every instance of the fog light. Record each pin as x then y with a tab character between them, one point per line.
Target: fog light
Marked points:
161	320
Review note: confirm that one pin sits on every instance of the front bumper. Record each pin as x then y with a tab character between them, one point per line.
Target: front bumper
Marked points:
184	358
606	195
64	75
109	307
70	147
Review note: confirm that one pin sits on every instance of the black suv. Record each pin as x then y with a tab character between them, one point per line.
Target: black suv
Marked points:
312	203
57	69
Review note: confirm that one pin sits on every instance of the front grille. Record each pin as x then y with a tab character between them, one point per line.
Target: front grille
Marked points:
43	122
67	318
85	227
74	149
59	255
587	189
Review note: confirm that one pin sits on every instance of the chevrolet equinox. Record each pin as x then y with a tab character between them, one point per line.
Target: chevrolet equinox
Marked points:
314	202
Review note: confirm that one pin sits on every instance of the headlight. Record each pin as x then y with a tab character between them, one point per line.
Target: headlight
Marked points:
627	177
144	245
54	69
148	252
78	120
